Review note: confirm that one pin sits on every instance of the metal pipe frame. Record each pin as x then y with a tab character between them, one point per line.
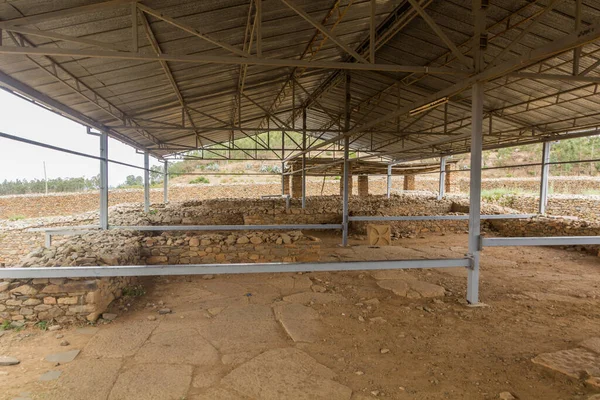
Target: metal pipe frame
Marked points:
219	269
544	178
442	187
389	181
166	182
146	182
103	181
346	177
475	193
63	150
540	241
167	228
304	158
436	217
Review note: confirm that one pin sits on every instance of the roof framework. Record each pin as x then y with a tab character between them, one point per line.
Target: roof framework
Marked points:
172	76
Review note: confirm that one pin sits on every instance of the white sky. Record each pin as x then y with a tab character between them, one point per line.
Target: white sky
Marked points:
18	160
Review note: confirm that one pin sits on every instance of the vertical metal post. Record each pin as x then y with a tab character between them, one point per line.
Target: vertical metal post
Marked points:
146	182
303	158
544	180
389	181
475	192
166	183
103	181
346	163
442	189
282	162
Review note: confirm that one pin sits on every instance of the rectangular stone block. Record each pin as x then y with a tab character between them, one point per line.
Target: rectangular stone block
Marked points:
379	235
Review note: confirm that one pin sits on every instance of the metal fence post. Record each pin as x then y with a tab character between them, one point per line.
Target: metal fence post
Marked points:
442	189
544	180
345	194
146	182
475	192
166	183
389	181
103	180
303	158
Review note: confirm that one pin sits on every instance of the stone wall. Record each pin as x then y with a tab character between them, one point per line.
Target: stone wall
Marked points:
31	206
232	248
585	207
547	226
70	300
59	300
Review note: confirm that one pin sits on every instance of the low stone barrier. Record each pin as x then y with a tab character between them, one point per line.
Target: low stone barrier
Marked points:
547	226
230	248
60	300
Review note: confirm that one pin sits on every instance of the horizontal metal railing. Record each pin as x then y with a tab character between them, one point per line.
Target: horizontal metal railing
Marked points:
214	269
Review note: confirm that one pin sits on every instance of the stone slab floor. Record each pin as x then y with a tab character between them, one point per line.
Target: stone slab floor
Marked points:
346	335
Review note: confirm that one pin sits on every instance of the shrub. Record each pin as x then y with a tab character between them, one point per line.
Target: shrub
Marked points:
200	179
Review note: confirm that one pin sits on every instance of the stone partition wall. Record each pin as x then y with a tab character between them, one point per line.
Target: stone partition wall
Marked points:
70	300
547	226
59	300
230	248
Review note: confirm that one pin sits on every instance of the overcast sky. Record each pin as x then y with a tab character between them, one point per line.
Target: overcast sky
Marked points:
21	118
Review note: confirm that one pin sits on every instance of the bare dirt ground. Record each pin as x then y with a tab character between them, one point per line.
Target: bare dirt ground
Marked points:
224	338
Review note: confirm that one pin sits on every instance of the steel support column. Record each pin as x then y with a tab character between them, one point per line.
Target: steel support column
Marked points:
304	158
166	183
346	176
475	192
442	189
103	180
544	180
283	178
389	181
146	182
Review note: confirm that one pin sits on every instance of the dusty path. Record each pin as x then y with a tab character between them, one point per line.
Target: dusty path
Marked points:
232	337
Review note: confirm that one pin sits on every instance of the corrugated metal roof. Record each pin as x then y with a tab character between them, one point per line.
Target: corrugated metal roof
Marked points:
130	96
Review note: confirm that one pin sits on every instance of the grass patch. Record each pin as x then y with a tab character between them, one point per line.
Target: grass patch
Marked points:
134	291
16	217
200	179
497	193
43	325
591	192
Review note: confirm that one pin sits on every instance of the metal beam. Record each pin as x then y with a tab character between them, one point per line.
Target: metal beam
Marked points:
146	182
440	33
541	241
103	180
389	181
568	42
216	269
437	217
227	60
544	178
475	192
346	178
189	29
554	77
43	17
442	187
29	93
166	182
58	36
524	32
304	158
326	32
168	228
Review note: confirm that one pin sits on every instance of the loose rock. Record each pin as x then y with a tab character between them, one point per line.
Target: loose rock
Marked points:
7	360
